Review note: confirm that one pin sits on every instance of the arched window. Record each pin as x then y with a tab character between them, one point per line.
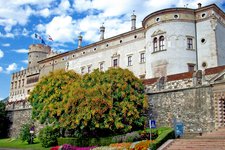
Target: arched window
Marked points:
161	43
155	44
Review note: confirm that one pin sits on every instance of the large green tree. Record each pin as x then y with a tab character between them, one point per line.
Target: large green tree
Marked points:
46	97
113	101
4	121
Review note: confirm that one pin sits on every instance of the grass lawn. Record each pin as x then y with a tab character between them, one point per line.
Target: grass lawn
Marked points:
16	143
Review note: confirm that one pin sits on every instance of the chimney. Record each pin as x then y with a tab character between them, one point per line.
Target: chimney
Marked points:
102	31
133	21
199	5
79	41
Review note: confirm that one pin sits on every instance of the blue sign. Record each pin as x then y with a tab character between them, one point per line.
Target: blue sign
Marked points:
179	129
152	124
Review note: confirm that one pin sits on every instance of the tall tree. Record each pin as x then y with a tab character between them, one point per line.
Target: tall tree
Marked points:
4	121
112	101
46	97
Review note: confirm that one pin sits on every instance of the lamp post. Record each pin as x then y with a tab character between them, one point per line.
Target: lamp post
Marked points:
32	134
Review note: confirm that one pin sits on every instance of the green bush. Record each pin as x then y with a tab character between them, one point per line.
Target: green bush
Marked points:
25	133
164	135
103	141
48	136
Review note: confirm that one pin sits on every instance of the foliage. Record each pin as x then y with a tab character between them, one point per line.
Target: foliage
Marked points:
46	98
4	121
121	145
165	134
25	133
48	136
110	102
103	141
18	144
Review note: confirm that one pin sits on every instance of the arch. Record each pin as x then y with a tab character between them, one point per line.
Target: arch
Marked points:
161	43
155	44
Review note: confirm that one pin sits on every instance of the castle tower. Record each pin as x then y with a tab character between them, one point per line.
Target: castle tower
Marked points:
36	53
79	41
102	31
133	21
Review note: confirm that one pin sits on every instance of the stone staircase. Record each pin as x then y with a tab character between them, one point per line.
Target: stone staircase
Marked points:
208	141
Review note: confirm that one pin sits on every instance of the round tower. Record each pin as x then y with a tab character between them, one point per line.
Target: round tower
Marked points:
36	53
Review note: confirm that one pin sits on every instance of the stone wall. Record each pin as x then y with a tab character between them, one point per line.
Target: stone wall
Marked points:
18	118
193	106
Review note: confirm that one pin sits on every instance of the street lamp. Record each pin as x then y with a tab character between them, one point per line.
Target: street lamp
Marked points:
32	134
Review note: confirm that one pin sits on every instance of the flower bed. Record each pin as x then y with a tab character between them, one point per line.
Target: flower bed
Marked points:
70	147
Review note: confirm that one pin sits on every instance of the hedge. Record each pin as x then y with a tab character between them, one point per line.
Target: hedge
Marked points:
164	135
104	141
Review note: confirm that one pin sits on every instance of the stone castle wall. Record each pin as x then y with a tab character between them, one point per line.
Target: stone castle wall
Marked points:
18	118
193	106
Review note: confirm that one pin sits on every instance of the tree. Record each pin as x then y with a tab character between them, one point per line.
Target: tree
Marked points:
46	97
100	102
4	121
113	101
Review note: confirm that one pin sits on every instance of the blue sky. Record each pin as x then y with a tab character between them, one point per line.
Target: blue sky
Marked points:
64	20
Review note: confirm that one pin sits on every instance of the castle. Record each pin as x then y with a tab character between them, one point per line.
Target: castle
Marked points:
178	52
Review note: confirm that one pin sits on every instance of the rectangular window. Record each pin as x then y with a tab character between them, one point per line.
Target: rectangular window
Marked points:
129	63
191	67
189	43
89	69
82	70
101	67
142	57
115	62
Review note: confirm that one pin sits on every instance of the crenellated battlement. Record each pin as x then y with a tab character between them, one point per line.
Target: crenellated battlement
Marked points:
39	48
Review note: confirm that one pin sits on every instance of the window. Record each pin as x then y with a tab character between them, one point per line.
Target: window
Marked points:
19	83
161	42
24	104
142	57
115	62
155	44
101	67
82	70
129	63
191	67
22	82
89	69
189	43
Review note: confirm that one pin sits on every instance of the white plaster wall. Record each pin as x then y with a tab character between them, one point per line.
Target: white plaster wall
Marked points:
220	37
122	51
176	56
206	51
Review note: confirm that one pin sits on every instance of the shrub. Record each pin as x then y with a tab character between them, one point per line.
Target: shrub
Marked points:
164	134
48	136
25	133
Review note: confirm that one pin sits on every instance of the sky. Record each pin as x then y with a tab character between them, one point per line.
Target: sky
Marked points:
64	21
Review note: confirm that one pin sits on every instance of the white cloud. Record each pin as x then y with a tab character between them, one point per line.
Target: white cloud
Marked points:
22	68
1	53
25	61
21	50
11	67
61	28
40	28
25	32
6	44
1	69
45	12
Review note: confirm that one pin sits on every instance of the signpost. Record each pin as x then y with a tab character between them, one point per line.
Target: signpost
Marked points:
152	125
179	129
